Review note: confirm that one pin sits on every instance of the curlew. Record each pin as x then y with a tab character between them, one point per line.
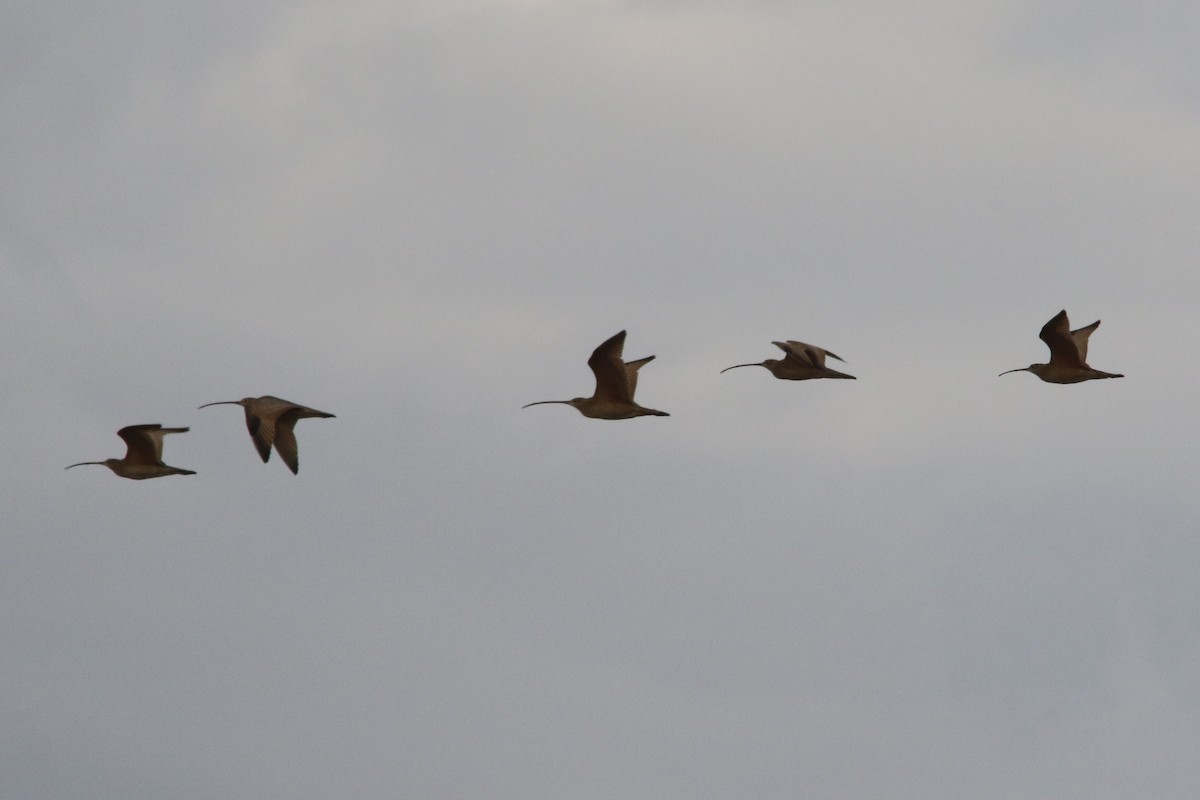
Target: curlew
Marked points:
616	381
1068	353
801	362
271	422
143	454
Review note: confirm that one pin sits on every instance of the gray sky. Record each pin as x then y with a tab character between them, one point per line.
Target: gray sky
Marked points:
930	582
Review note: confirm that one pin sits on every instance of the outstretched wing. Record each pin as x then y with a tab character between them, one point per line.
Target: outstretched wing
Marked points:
631	373
142	445
285	440
1081	336
807	354
262	433
612	378
1057	335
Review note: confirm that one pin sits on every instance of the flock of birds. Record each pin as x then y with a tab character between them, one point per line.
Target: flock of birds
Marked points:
271	421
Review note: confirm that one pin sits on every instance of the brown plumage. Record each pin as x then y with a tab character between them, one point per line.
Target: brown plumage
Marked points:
801	362
143	454
1068	353
616	381
270	421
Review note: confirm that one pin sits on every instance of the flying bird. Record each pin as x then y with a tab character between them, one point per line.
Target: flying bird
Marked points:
801	362
271	422
143	454
1068	353
616	381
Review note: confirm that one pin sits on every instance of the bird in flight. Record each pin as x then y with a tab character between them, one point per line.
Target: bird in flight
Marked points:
271	421
143	454
616	381
801	362
1068	353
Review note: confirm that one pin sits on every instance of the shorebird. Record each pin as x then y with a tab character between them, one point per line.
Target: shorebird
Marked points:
616	381
801	362
143	454
270	421
1068	353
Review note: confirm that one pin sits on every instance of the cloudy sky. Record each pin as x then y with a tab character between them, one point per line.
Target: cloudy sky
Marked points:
930	582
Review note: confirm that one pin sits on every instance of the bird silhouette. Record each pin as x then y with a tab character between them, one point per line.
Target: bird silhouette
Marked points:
616	381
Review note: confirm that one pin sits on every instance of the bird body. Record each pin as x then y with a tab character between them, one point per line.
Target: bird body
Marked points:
1068	353
271	421
801	362
616	381
143	454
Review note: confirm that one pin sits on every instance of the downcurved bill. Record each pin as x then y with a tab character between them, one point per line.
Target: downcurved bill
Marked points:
735	366
545	402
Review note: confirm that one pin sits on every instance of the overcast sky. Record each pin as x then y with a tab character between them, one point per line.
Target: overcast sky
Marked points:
931	582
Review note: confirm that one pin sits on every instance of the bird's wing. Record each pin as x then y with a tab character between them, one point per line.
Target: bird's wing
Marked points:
794	352
285	440
158	436
268	406
143	443
829	353
612	379
1057	335
816	356
631	373
1081	337
262	433
803	354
